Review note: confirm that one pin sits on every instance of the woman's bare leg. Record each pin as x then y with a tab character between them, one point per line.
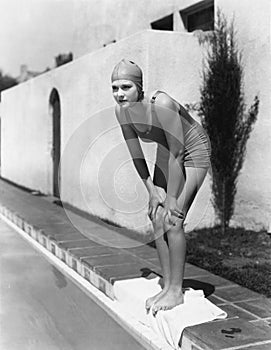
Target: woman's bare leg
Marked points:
177	243
163	255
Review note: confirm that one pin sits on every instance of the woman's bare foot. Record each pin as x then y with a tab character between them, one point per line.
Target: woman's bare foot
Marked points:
150	301
168	301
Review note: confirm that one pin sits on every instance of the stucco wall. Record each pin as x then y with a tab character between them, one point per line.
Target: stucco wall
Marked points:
98	22
100	176
84	88
25	150
97	174
252	23
253	199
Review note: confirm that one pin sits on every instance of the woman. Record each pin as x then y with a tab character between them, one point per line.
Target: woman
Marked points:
182	162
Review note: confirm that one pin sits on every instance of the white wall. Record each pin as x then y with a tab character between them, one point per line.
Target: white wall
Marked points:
91	141
100	176
97	174
115	20
252	23
97	22
25	132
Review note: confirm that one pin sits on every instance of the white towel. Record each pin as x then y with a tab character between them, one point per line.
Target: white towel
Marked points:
168	324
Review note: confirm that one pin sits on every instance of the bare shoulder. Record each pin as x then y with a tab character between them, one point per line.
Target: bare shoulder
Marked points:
165	101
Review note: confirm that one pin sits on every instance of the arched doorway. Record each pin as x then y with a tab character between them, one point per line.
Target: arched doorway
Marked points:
54	101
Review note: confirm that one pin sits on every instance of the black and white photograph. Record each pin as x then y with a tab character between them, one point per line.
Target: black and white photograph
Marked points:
135	192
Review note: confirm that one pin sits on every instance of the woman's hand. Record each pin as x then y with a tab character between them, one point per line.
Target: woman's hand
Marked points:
171	211
155	200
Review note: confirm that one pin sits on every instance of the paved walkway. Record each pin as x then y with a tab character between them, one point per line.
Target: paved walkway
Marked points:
103	255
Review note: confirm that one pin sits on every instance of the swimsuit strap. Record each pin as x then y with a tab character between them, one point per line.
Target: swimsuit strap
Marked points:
153	98
155	95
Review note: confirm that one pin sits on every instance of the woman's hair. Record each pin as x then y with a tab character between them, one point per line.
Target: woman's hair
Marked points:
140	92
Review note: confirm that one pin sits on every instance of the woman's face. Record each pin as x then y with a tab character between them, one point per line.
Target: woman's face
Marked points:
125	92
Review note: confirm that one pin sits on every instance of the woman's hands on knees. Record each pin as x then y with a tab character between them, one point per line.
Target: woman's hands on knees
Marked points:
172	213
165	213
156	200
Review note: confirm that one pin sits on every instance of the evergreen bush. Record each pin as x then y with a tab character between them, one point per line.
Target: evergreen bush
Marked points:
223	112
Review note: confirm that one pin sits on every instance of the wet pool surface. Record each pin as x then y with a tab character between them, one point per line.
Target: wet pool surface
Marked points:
42	309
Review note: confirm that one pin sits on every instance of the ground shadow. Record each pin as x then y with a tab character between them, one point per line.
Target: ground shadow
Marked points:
207	288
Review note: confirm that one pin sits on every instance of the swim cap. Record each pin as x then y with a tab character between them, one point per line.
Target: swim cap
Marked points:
127	70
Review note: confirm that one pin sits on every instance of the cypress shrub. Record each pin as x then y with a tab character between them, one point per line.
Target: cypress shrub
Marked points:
224	116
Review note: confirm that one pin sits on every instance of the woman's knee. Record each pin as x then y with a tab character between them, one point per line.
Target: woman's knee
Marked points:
176	226
176	233
158	225
179	225
158	221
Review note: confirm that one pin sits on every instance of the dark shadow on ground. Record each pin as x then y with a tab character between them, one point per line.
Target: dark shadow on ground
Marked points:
207	288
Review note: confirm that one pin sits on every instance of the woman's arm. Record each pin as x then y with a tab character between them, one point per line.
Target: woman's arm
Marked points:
133	144
167	114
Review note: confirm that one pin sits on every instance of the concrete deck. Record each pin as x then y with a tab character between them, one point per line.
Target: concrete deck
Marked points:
102	255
